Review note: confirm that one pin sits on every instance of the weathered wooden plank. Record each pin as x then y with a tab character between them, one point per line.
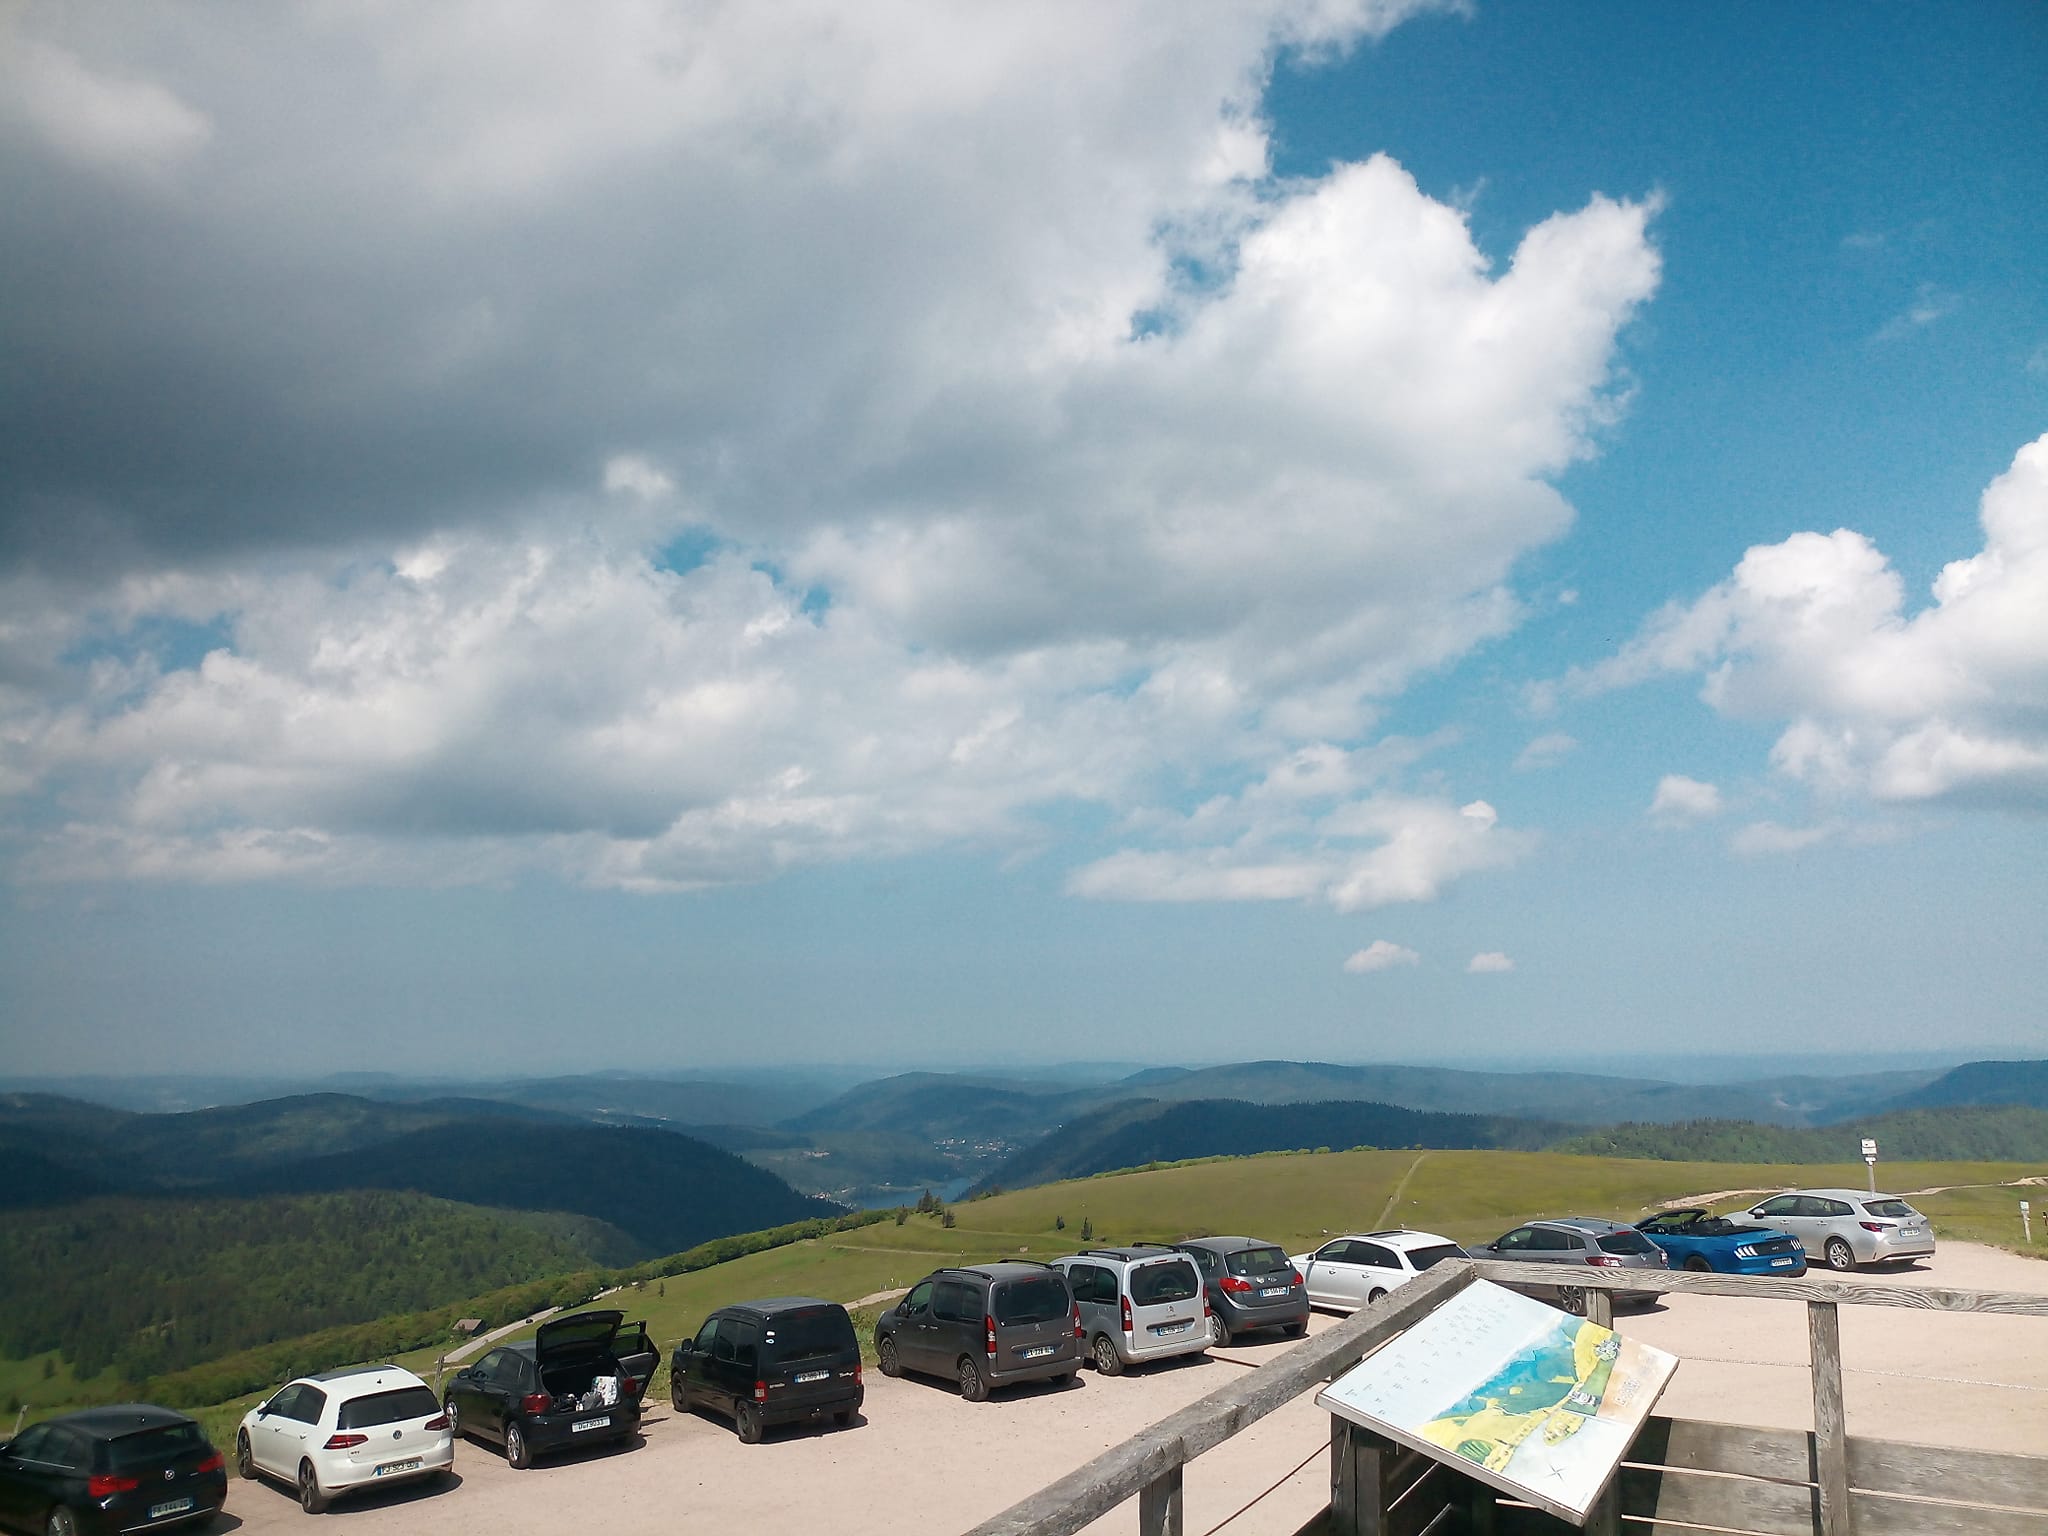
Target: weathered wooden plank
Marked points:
1118	1473
1805	1288
1699	1446
1830	1424
1945	1472
1732	1503
1879	1516
1159	1504
1361	1467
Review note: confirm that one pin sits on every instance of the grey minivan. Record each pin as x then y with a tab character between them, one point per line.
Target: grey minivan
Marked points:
1585	1241
1847	1227
984	1326
1136	1304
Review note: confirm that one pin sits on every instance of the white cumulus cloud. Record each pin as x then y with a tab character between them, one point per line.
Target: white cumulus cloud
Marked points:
1945	702
1380	955
1488	961
1680	799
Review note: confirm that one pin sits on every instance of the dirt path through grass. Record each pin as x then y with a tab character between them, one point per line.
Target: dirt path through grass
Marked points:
1394	1200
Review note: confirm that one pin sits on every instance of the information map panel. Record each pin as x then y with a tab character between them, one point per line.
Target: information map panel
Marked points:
1533	1401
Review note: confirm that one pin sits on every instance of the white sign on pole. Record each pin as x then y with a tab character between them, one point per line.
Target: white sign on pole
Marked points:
1869	1149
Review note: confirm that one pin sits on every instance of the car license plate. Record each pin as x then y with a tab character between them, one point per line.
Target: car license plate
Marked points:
1784	1263
1035	1352
582	1424
1273	1290
804	1376
175	1507
1166	1328
390	1467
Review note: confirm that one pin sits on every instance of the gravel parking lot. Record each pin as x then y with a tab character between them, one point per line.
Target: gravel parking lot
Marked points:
920	1460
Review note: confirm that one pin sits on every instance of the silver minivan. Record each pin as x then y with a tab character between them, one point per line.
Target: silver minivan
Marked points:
1847	1227
1141	1303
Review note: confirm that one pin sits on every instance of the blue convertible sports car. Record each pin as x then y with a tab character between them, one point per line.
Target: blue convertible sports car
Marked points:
1694	1240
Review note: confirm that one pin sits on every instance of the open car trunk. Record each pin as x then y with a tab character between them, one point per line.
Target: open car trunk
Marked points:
577	1366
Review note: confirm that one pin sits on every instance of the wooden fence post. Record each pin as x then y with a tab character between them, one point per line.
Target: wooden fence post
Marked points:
1360	1462
1830	1426
1159	1505
1604	1518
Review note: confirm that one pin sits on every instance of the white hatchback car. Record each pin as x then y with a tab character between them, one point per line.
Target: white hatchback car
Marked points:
369	1427
1355	1270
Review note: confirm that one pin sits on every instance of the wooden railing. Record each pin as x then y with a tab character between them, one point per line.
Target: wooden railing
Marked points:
1777	1483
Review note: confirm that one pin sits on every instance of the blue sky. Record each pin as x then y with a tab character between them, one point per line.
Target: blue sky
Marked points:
1377	533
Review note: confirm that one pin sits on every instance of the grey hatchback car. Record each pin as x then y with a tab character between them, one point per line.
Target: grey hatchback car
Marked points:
1847	1227
1251	1285
1583	1241
984	1326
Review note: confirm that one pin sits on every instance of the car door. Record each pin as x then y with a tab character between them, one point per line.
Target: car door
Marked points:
1333	1278
263	1433
700	1367
1379	1269
27	1477
491	1388
916	1334
1095	1293
1787	1214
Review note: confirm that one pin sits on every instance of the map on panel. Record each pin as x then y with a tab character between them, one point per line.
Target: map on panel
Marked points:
1533	1401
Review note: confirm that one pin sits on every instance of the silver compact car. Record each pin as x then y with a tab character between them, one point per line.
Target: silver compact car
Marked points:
1581	1242
1847	1227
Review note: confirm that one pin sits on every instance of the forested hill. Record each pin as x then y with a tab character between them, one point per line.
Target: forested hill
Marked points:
1981	1082
1133	1133
2004	1134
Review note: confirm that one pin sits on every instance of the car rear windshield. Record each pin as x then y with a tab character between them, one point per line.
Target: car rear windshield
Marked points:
1255	1261
1424	1258
808	1331
1895	1209
153	1447
1153	1284
1038	1299
393	1407
1626	1242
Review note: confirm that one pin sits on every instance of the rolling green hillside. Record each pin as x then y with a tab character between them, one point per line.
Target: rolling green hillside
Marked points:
2011	1133
1982	1082
1133	1133
145	1286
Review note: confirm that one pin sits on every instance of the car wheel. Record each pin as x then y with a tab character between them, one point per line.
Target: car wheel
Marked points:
1699	1265
1219	1331
517	1455
1840	1255
454	1416
1107	1360
62	1522
1378	1294
973	1385
245	1459
678	1394
746	1423
1573	1299
311	1499
885	1356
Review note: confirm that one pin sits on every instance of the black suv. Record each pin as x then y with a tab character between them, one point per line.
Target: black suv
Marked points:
777	1361
984	1327
108	1470
1251	1285
568	1385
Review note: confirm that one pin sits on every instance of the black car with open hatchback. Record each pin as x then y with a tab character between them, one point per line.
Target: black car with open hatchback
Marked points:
129	1467
783	1360
566	1386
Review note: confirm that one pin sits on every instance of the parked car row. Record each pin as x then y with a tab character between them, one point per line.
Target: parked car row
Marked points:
791	1359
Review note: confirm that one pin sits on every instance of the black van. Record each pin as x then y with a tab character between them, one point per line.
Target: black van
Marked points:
984	1326
778	1361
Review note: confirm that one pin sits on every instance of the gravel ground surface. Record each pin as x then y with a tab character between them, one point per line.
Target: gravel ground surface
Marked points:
920	1460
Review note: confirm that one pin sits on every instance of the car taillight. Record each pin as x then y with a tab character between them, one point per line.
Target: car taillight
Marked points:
760	1391
1603	1261
856	1375
629	1384
1126	1312
344	1442
1875	1226
1234	1284
535	1402
988	1325
1294	1276
439	1421
213	1463
103	1485
1079	1331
